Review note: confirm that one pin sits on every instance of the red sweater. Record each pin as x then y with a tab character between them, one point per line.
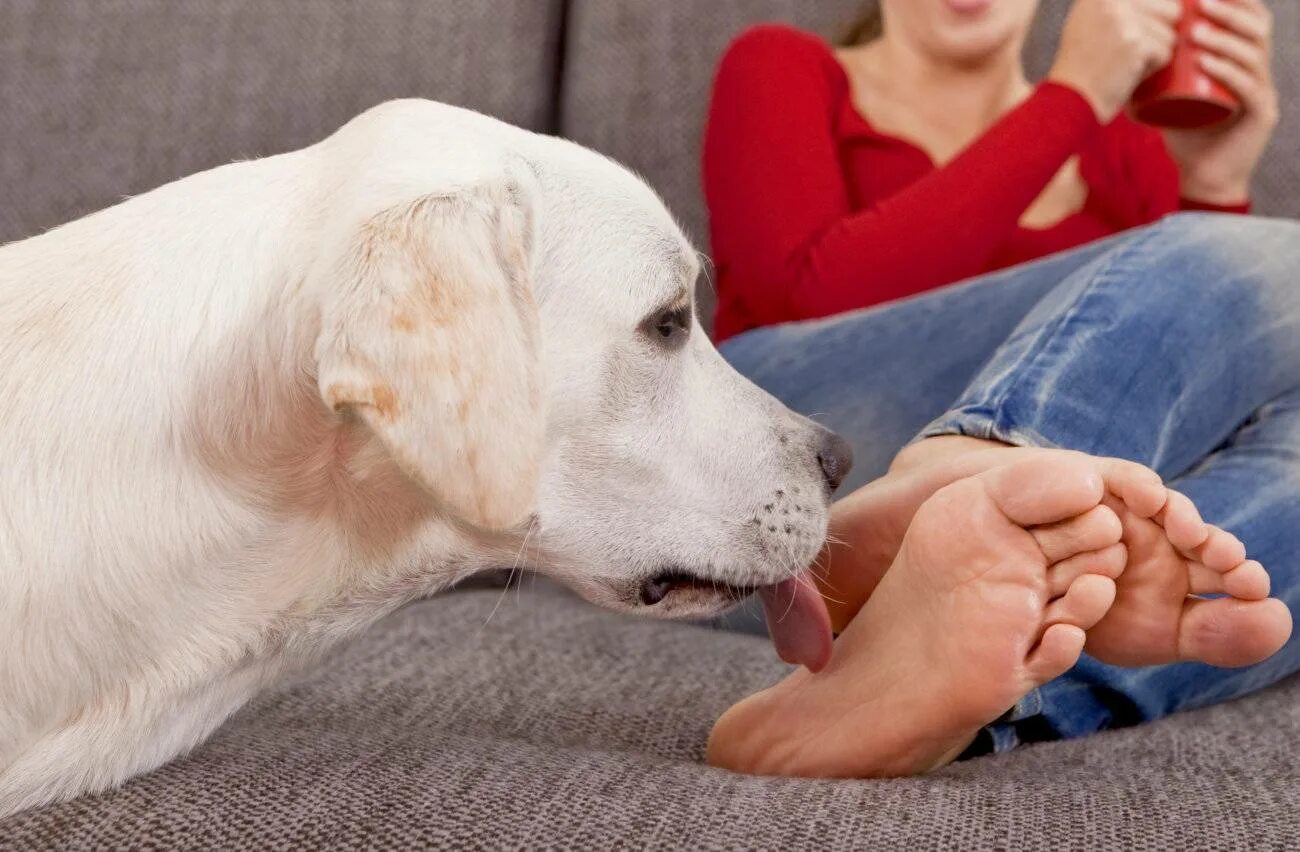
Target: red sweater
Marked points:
813	212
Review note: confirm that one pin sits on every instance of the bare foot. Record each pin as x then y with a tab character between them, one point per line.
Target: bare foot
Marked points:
1172	554
1155	620
867	526
973	614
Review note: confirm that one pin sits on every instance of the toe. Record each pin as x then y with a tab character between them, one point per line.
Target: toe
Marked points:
1248	581
1056	654
1106	562
1221	550
1203	581
1182	523
1097	528
1137	485
1045	488
1228	632
1084	603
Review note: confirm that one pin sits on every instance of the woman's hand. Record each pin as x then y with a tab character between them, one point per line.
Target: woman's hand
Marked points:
1216	164
1109	46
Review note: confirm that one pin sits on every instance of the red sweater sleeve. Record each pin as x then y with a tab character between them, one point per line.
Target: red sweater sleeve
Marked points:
780	214
1155	176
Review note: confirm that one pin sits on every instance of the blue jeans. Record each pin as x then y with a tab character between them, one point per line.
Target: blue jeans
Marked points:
1177	346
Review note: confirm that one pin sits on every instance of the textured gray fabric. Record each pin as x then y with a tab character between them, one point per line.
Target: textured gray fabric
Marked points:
105	98
560	725
638	75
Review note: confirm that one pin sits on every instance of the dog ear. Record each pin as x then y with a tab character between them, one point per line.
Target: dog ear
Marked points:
429	333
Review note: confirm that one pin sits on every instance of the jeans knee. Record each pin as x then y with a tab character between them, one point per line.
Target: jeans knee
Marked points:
1229	237
1227	265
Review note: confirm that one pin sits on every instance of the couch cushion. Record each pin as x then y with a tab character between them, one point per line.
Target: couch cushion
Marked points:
105	98
530	719
638	75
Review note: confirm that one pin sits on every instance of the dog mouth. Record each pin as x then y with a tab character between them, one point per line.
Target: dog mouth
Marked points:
797	618
660	587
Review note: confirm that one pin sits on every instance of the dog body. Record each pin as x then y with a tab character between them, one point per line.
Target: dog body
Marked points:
249	413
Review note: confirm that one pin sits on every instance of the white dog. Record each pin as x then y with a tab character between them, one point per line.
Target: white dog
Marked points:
247	414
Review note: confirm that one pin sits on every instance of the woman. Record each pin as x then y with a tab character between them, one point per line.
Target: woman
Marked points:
839	180
842	179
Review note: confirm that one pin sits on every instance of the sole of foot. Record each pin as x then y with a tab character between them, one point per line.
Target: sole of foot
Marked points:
996	582
868	526
1160	616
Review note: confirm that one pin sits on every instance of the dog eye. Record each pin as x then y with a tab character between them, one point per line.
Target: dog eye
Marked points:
670	327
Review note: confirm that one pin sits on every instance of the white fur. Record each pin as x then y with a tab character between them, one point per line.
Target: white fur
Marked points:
248	413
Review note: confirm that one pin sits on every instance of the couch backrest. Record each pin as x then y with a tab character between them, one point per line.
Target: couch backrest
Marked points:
105	98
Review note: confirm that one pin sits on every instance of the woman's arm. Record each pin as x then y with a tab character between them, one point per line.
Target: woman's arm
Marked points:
781	217
1156	180
1216	165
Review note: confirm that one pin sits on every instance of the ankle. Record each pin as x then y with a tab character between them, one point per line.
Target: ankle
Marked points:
941	447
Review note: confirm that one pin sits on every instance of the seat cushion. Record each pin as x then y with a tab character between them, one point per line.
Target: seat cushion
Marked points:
106	98
491	719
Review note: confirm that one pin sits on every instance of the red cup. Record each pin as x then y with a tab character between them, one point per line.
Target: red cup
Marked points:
1181	95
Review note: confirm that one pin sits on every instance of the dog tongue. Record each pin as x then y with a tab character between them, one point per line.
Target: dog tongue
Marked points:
798	621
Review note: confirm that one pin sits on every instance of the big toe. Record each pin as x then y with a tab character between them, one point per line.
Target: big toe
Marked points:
1046	488
1230	633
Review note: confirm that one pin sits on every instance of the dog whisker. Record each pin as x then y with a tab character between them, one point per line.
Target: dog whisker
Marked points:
523	546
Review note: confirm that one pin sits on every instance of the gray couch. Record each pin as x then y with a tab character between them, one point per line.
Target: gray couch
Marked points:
548	723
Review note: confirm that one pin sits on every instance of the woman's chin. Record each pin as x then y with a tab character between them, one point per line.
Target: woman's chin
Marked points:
973	30
974	42
969	7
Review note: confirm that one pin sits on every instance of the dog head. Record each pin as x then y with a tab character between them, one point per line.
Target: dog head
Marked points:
672	485
526	346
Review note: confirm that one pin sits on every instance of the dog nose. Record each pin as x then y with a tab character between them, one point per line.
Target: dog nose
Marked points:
835	457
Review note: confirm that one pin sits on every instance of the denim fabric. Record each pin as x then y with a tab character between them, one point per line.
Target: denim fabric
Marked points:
1177	345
